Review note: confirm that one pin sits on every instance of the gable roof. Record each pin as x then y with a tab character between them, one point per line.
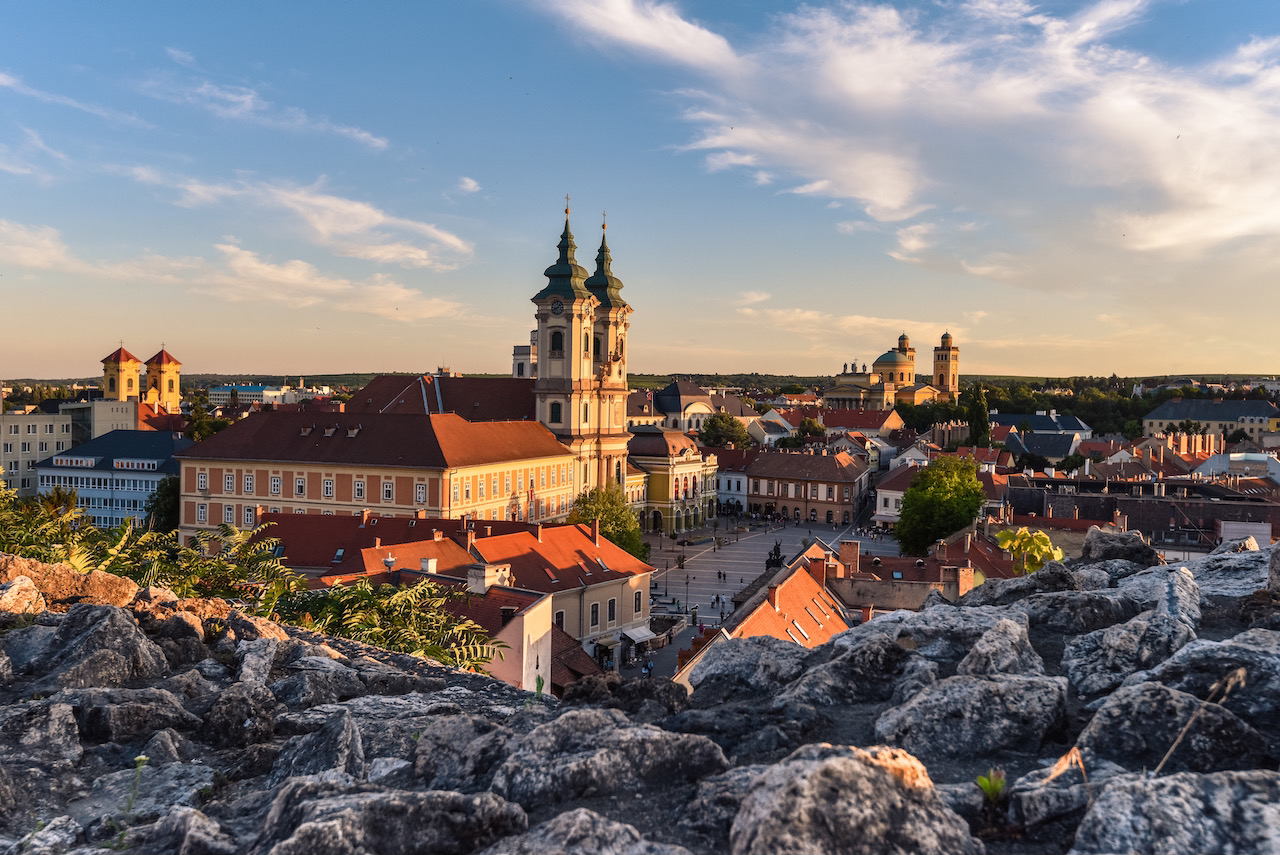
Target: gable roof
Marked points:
837	467
472	398
789	605
1201	410
560	558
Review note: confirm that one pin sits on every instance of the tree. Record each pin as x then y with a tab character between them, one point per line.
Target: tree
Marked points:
617	521
1031	549
943	498
161	507
722	430
1238	435
979	418
1070	463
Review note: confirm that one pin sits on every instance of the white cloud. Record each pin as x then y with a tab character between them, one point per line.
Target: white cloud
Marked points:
1044	152
344	226
8	81
181	57
468	185
244	104
750	298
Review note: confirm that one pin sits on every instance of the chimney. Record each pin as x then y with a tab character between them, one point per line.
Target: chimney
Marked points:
421	514
488	531
428	565
537	532
377	542
364	517
773	596
968	541
258	511
595	531
437	535
508	613
850	551
866	613
818	570
940	550
471	538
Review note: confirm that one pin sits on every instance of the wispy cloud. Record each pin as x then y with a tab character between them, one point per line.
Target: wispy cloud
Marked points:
751	298
181	57
468	185
15	84
1071	153
344	226
245	104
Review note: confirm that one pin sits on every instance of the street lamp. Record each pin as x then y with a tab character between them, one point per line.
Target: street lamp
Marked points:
665	578
687	579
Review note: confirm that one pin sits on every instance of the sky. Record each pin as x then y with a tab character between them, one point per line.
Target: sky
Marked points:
1068	188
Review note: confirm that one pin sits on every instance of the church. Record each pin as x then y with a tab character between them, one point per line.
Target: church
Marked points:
893	380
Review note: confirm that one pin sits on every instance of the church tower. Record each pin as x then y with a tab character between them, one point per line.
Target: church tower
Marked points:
164	381
120	374
946	368
609	366
566	391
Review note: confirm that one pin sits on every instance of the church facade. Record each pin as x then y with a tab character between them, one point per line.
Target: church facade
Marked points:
893	379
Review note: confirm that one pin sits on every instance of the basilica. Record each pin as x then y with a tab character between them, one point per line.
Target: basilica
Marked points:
893	379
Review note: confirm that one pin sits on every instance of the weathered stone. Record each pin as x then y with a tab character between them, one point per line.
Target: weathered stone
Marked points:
122	715
1115	568
1001	592
748	667
245	714
187	831
1228	578
581	832
1169	590
336	746
28	645
256	658
1102	545
972	715
53	838
943	635
1200	665
460	752
6	669
310	817
1092	577
1100	661
167	746
44	730
708	816
390	772
628	695
597	752
865	803
21	596
862	672
60	585
98	646
1003	649
180	625
1138	725
1222	812
1048	803
750	731
1073	612
1236	544
158	788
1273	572
249	628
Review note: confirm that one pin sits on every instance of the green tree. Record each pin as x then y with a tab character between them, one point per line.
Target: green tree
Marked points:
943	498
1031	549
161	507
617	521
722	430
1070	463
979	418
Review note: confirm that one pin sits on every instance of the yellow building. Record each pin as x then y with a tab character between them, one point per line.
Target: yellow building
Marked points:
892	379
682	481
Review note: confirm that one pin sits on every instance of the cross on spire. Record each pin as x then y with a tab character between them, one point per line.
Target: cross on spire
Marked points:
566	204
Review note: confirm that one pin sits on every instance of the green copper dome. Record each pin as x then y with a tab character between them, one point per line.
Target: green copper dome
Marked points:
565	278
603	284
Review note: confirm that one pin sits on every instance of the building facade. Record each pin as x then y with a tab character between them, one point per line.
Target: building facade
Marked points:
25	440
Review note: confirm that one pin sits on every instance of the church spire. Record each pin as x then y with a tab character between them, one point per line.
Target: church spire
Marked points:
565	278
603	284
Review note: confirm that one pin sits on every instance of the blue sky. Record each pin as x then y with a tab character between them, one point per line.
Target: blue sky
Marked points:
1067	187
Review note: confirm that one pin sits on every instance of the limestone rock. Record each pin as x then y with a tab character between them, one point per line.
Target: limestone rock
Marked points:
973	715
1102	545
597	752
1236	544
1227	578
1101	660
1115	568
1137	725
1073	612
309	817
581	832
123	715
709	815
55	837
1001	592
1092	577
336	746
98	646
187	831
1170	590
943	635
746	667
1187	812
21	596
61	585
43	730
256	658
158	789
1003	649
460	752
244	715
863	671
863	807
1049	803
1273	572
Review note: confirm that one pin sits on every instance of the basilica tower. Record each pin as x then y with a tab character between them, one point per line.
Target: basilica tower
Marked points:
946	368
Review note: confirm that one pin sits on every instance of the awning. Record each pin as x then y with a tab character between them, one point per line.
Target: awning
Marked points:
608	642
639	634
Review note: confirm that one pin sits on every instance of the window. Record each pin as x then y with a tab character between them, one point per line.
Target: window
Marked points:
831	493
228	483
455	493
638	602
556	416
48	428
66	428
479	486
62	446
276	485
560	619
44	446
388	491
613	610
557	344
466	490
327	484
300	486
31	428
8	448
542	478
248	517
248	483
13	430
586	413
358	489
507	483
229	513
420	493
26	447
755	486
595	615
813	491
202	513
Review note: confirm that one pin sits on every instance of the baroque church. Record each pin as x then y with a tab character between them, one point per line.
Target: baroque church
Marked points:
893	379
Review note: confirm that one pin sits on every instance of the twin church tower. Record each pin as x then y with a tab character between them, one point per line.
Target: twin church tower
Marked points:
579	358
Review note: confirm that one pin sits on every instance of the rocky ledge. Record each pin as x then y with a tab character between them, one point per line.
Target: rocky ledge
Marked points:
1131	706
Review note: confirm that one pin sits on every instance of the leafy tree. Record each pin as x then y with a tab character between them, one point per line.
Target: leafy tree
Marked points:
979	418
161	507
1070	463
722	430
943	498
617	521
1031	549
1238	435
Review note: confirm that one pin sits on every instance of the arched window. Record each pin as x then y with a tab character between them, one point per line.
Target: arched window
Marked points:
170	384
555	412
595	347
557	343
130	384
111	384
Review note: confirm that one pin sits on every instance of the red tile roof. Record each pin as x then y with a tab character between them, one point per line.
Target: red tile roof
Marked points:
163	358
473	398
800	610
120	355
565	557
569	661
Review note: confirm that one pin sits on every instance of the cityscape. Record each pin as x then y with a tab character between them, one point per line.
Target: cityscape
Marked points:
869	451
